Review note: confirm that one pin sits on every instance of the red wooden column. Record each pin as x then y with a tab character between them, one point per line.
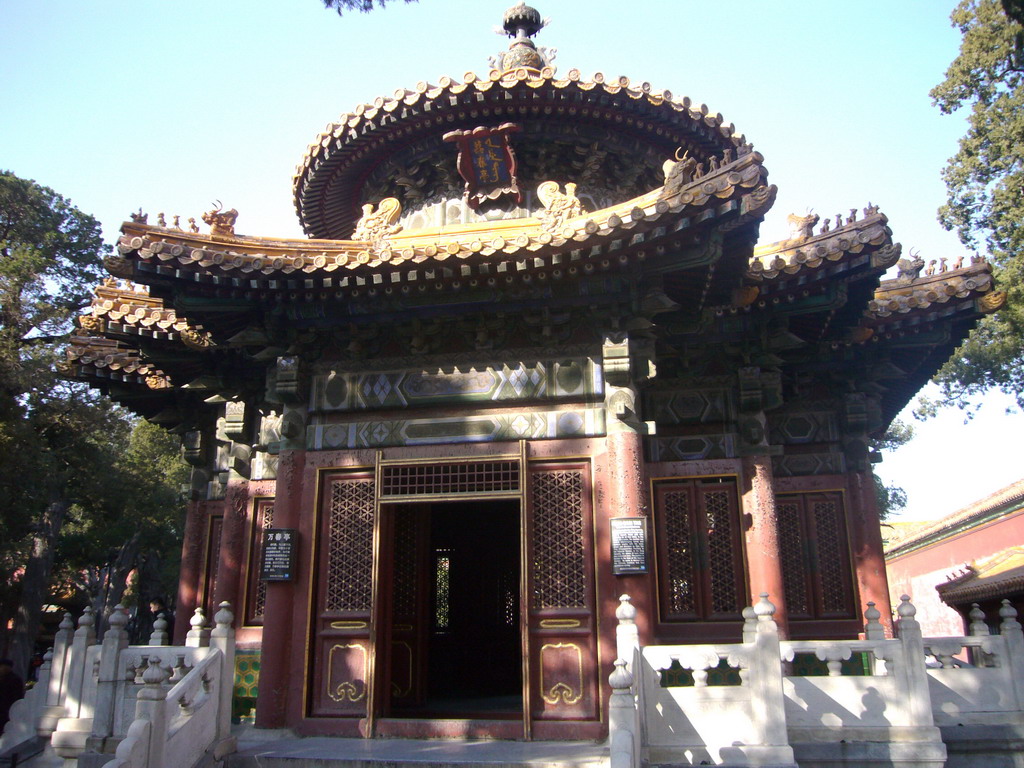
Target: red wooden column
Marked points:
764	561
192	549
627	497
275	655
232	544
866	543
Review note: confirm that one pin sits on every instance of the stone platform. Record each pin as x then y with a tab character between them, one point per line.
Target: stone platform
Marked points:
320	752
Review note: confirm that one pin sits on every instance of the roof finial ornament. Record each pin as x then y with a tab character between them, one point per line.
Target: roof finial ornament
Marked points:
521	22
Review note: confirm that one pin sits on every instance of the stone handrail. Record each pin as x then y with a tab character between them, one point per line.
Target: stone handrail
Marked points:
177	726
894	704
155	705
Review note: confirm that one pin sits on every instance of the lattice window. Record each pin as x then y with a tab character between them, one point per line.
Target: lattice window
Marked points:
442	588
559	556
264	519
405	587
791	551
817	571
349	545
833	559
700	563
679	550
722	551
427	480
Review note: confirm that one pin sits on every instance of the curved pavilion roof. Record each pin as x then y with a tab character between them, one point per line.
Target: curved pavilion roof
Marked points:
192	318
630	118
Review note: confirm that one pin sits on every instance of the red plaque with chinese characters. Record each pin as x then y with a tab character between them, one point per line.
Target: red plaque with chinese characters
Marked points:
487	163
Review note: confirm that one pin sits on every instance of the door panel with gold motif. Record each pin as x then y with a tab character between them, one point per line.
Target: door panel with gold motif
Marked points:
341	660
560	595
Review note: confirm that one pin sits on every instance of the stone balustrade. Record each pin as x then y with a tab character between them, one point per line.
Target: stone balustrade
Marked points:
125	706
908	700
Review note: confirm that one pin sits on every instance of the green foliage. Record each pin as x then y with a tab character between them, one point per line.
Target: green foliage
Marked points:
141	516
891	498
985	184
50	256
363	6
79	479
50	253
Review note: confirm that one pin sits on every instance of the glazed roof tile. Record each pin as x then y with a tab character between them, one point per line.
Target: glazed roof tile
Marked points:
736	188
123	308
96	357
798	255
325	199
895	297
991	577
1007	499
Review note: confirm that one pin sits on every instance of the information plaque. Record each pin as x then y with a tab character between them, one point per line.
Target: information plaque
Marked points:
278	554
629	545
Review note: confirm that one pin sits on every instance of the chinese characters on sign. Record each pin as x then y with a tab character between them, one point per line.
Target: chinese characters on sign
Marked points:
487	163
278	554
629	545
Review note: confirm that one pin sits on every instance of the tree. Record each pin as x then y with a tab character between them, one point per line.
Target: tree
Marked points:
66	452
50	253
127	550
985	185
364	6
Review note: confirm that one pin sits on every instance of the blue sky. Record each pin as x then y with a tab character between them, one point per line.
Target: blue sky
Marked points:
168	106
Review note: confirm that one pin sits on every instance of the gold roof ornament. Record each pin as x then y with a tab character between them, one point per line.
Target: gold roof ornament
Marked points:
521	22
375	225
222	223
559	206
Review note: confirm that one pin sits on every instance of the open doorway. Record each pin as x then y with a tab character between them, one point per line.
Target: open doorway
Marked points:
454	629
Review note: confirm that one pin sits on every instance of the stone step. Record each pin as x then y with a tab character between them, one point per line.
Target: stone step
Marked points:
322	752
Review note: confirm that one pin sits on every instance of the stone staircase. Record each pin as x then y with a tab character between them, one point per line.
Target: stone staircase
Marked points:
319	752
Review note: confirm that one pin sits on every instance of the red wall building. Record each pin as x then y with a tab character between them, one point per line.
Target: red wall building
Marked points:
967	544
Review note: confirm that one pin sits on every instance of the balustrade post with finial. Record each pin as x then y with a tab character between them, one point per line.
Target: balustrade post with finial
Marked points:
57	684
874	630
199	635
978	626
1010	630
151	705
766	677
627	636
749	624
159	635
223	639
84	638
916	696
623	726
115	640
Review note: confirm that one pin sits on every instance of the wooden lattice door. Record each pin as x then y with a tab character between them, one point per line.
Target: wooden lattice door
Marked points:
562	640
700	557
407	572
341	661
816	565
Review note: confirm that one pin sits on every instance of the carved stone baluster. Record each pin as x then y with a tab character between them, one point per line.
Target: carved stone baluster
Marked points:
700	677
749	624
1010	629
873	629
627	638
223	640
178	671
913	671
622	719
159	635
978	627
199	635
